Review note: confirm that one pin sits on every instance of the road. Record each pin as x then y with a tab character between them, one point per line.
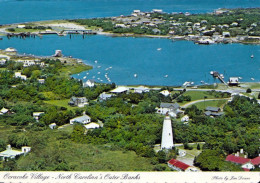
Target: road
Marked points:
202	100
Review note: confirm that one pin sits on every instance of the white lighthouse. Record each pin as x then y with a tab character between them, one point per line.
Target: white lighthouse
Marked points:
167	137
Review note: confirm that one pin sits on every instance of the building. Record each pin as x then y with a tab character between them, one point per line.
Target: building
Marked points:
52	126
104	96
9	153
78	101
5	111
85	119
36	115
213	111
41	81
58	53
171	108
185	118
233	81
92	126
246	163
167	136
19	75
89	83
120	89
181	167
141	89
165	93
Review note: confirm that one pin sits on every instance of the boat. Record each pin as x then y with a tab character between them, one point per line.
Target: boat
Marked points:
93	76
159	49
96	61
211	72
222	76
240	78
166	76
98	66
135	75
84	77
98	73
252	79
252	56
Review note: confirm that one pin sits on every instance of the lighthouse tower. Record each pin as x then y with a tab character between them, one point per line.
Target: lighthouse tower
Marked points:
167	137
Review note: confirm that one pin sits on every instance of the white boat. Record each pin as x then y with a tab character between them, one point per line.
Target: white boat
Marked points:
84	77
211	72
110	67
252	79
87	73
98	66
93	76
159	49
135	75
98	73
96	61
252	56
166	76
240	78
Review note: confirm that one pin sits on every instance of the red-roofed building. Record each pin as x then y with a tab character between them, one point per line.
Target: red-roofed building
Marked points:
246	164
180	166
256	161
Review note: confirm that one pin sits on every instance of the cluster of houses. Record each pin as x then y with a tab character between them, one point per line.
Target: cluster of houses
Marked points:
203	34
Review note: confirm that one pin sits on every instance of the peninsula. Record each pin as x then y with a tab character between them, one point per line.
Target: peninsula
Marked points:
220	26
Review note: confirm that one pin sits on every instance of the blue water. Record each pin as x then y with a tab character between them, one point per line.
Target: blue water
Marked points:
180	60
14	11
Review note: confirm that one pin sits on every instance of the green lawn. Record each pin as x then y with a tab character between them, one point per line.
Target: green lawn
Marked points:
61	103
74	69
212	103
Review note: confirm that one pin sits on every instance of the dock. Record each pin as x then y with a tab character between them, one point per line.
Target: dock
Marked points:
217	75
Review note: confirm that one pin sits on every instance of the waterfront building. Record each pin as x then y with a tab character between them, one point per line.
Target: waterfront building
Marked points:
167	136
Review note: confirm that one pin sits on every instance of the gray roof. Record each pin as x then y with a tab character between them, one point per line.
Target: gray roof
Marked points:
105	96
170	105
213	109
81	119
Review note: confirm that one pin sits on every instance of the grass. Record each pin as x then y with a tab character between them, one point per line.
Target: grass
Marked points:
74	69
212	103
61	103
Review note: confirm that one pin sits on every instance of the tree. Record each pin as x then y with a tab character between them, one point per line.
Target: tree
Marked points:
248	90
198	147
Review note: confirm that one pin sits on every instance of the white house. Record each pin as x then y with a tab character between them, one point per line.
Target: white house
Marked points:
185	118
171	108
91	126
120	89
41	81
3	111
89	83
141	89
10	153
104	96
165	93
52	126
36	115
10	49
19	75
85	119
246	164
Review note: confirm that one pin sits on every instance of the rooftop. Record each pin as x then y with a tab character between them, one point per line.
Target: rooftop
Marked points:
178	164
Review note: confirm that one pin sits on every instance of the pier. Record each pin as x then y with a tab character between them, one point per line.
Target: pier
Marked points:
78	31
217	75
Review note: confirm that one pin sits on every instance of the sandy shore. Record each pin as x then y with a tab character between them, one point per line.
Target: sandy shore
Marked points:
67	26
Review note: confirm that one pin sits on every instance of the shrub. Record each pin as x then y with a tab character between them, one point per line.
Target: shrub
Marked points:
248	90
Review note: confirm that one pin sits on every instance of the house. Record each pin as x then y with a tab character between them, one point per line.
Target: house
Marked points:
10	153
233	81
157	11
171	108
226	34
185	118
180	166
19	75
36	115
4	111
89	83
246	163
78	101
156	31
11	50
120	89
104	96
41	81
21	26
52	126
213	111
165	93
81	119
141	89
92	126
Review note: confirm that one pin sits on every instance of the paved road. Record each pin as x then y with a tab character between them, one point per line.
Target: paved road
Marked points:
202	100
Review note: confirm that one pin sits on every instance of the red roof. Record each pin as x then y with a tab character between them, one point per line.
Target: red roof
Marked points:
236	159
246	169
178	164
256	161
